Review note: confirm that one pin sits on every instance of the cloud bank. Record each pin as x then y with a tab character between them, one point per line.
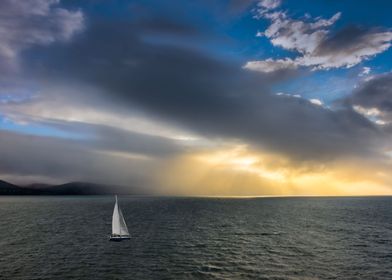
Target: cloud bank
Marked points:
214	98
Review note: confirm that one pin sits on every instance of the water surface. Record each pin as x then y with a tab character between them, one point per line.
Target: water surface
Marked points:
196	238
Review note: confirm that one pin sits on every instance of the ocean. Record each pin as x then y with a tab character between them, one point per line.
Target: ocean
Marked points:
66	237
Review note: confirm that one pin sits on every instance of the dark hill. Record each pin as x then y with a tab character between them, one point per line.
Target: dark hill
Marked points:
73	188
11	189
83	188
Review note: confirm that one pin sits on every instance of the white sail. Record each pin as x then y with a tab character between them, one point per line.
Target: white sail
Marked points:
123	225
119	227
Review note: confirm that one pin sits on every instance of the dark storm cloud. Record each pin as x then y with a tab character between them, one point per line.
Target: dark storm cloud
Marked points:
352	40
375	96
111	139
107	155
375	93
36	22
165	26
210	96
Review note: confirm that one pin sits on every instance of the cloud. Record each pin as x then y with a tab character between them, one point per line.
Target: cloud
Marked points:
269	65
269	4
349	47
365	71
316	101
298	35
238	170
373	98
113	69
37	22
209	96
107	155
315	45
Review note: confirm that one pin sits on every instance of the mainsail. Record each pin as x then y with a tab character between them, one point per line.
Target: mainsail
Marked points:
119	227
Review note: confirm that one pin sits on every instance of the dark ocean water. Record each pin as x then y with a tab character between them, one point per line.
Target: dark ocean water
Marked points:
196	238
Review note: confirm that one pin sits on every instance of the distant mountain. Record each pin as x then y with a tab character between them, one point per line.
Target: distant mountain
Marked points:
37	186
11	189
73	188
83	188
6	185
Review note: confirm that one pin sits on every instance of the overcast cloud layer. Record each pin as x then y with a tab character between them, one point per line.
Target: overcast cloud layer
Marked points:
213	97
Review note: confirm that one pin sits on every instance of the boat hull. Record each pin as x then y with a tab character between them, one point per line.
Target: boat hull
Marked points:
118	238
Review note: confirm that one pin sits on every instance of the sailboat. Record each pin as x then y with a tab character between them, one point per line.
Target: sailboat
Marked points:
119	227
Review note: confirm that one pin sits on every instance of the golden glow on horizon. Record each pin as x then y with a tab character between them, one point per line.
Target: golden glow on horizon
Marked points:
236	171
238	159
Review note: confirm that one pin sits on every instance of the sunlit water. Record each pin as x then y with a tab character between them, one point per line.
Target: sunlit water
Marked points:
196	238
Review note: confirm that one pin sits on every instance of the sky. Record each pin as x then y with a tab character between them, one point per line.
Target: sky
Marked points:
220	98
